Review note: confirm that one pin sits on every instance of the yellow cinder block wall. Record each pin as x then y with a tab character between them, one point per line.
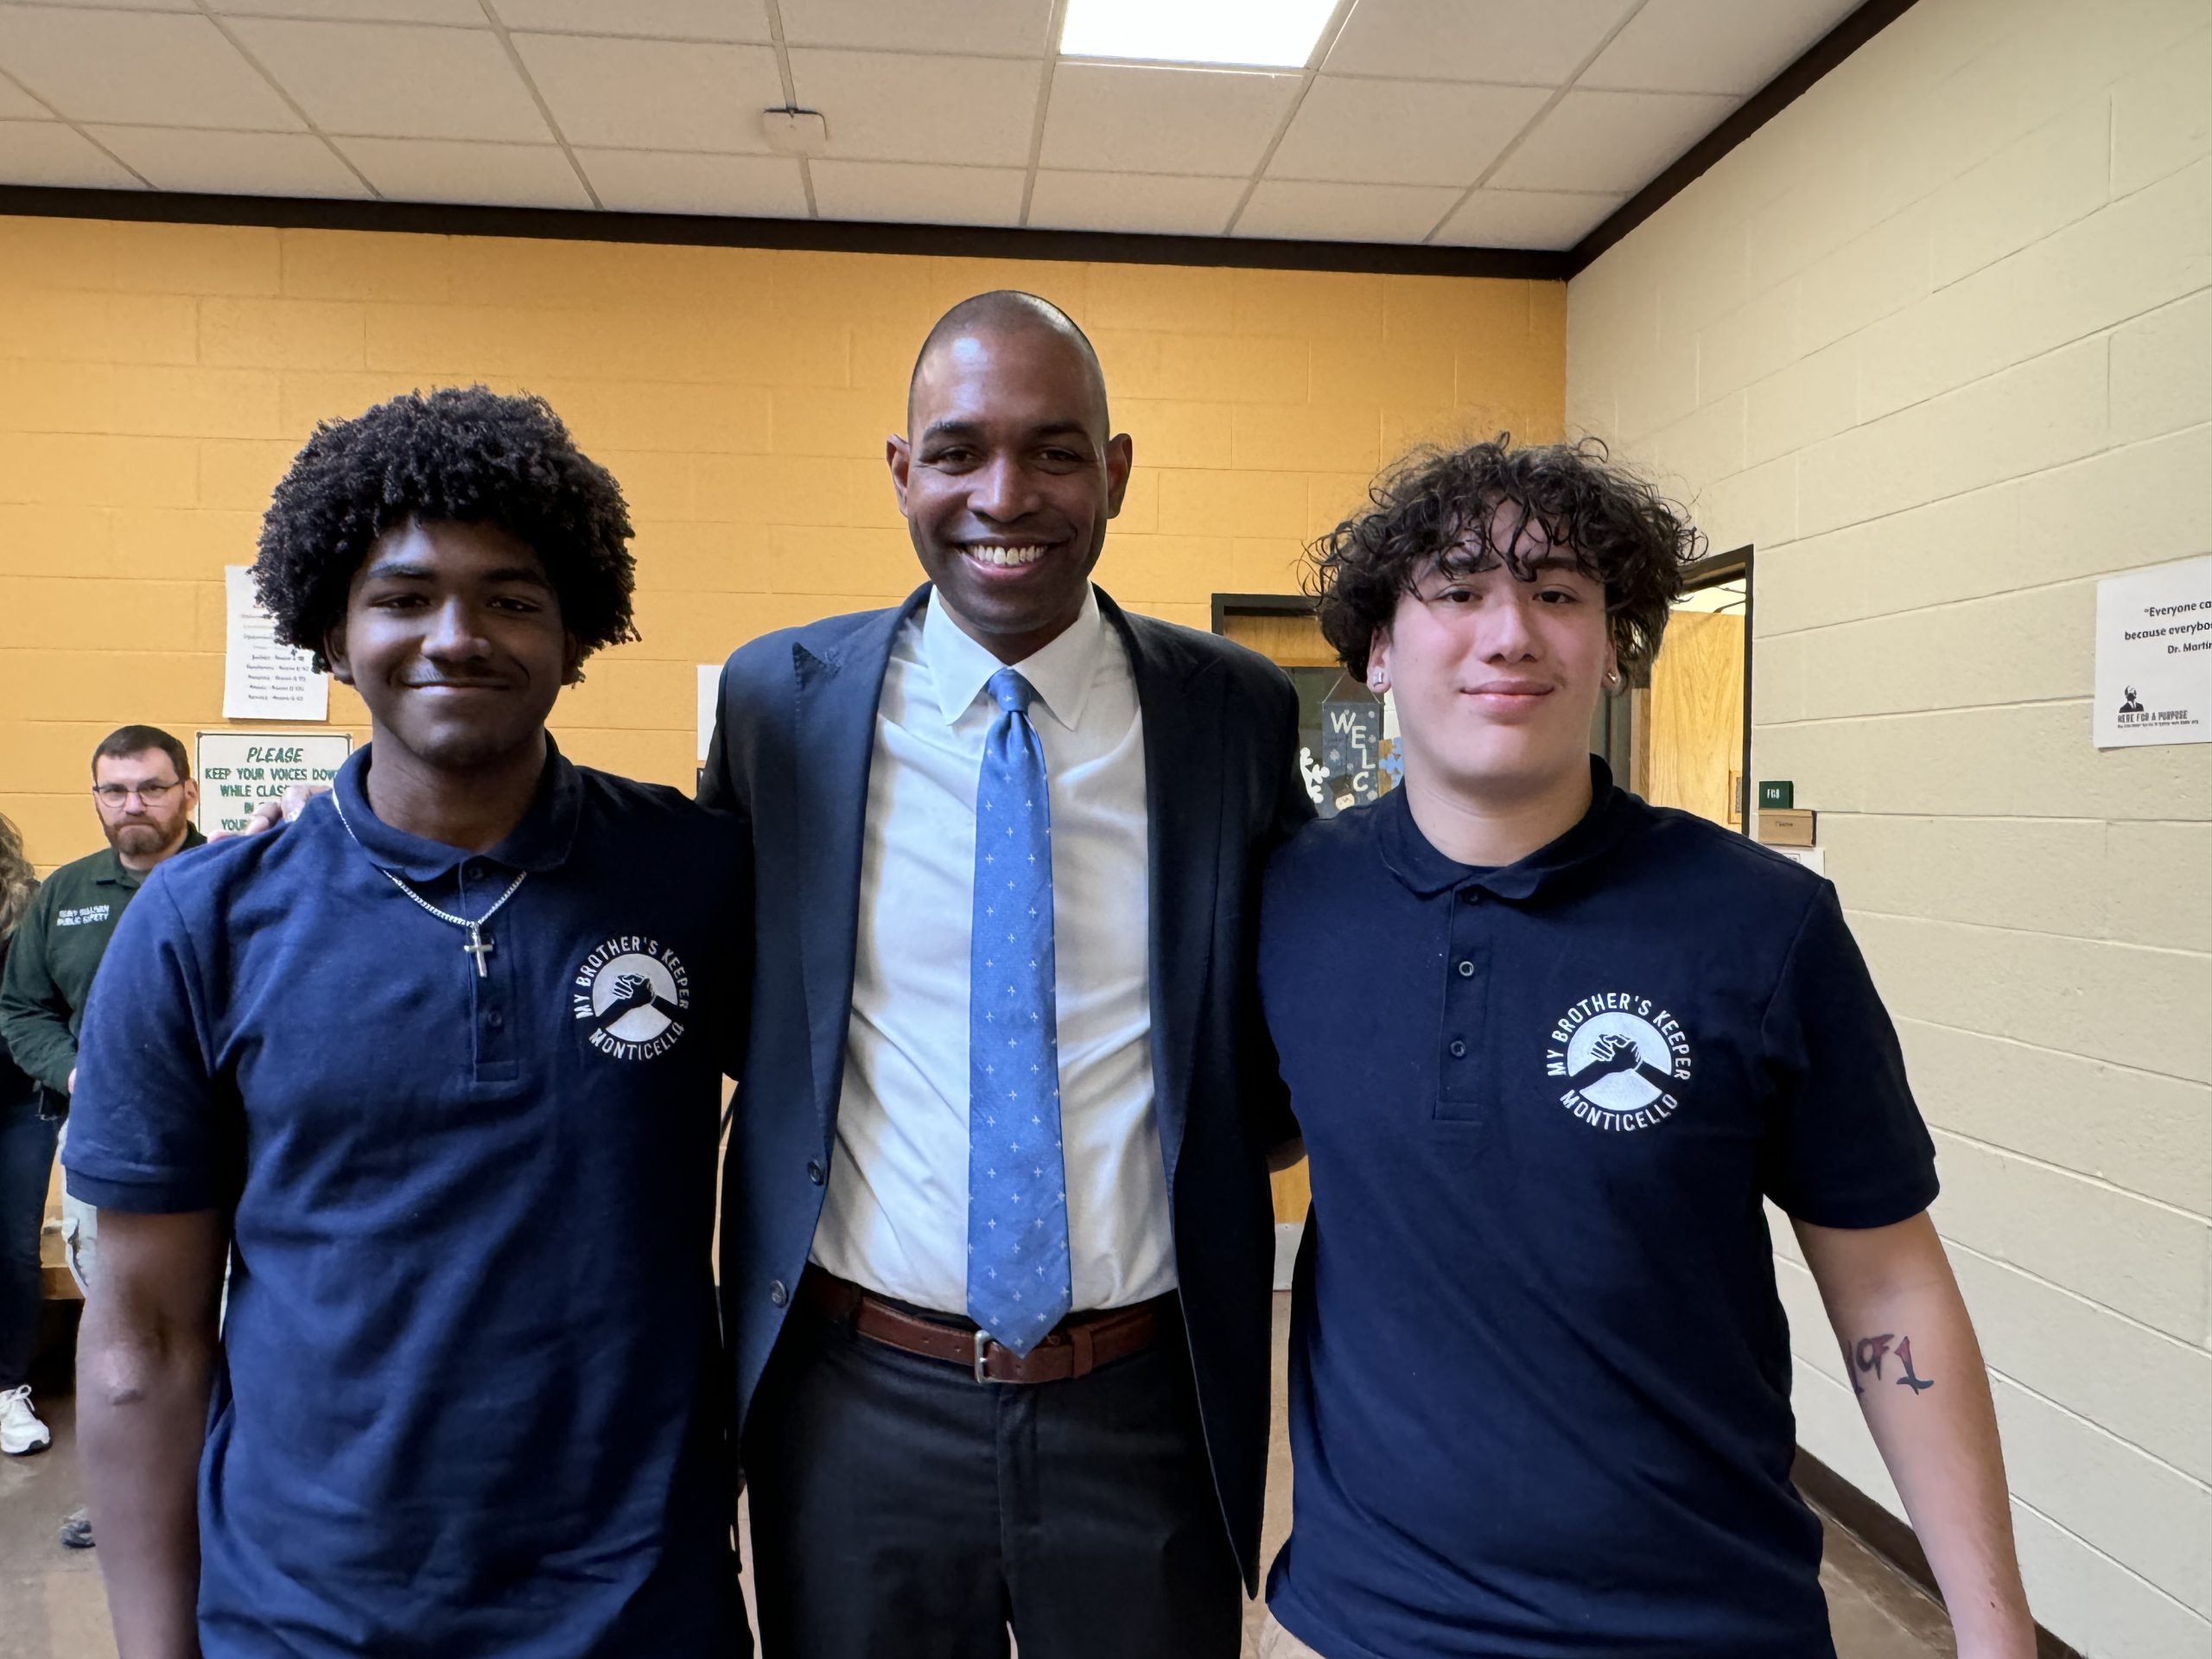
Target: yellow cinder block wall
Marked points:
155	381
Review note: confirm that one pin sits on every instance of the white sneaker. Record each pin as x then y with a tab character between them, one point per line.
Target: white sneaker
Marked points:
21	1432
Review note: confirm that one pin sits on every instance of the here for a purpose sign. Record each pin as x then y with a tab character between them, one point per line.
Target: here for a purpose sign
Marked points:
2154	656
240	770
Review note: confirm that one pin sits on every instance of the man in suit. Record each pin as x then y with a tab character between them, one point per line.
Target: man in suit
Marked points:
997	1241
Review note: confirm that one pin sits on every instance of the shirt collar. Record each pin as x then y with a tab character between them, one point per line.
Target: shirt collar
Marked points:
539	842
111	873
1414	862
1061	673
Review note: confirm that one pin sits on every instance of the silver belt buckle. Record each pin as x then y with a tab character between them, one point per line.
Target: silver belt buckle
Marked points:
982	1342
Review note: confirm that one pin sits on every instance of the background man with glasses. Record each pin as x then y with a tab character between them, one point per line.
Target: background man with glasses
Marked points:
143	792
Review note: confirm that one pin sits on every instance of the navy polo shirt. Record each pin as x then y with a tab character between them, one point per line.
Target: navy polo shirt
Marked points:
1540	1376
468	1402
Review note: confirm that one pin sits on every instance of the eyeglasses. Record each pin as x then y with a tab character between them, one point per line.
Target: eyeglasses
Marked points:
148	794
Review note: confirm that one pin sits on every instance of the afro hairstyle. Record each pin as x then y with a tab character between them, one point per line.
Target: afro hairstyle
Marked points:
466	456
1433	509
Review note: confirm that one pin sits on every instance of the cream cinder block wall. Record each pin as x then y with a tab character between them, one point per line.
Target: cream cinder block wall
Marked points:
155	380
1937	341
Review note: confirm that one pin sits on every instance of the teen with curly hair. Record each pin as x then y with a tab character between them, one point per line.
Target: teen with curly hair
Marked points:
437	1071
1551	1048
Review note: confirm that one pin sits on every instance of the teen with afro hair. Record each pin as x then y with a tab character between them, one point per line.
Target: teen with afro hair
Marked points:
438	1069
461	455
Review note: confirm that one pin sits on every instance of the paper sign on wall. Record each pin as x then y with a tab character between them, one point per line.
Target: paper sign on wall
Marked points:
710	686
2154	656
237	770
263	680
1815	859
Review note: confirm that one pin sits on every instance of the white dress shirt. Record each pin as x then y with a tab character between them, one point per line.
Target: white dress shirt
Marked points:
895	1219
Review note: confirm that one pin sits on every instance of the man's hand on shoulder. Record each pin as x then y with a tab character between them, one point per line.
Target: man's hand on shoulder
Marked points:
269	814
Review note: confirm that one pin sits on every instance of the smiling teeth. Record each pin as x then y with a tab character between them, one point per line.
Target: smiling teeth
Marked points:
1008	557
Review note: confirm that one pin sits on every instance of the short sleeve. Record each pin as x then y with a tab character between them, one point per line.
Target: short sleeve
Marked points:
1846	1146
150	1130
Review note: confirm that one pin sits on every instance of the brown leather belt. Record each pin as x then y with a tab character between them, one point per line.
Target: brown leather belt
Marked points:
1076	1347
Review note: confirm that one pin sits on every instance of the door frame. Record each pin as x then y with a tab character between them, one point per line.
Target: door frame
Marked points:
1710	572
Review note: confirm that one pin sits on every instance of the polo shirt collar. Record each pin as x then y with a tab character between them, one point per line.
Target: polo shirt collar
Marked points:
110	871
539	842
1414	862
1061	673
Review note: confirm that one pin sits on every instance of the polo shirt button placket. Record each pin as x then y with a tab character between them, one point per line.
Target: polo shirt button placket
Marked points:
476	885
1465	994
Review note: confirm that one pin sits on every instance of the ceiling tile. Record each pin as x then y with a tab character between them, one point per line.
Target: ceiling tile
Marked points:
232	163
1159	120
1712	46
974	112
1155	203
16	105
503	176
659	181
1474	40
47	152
1402	131
995	28
397	80
918	195
1344	213
1610	140
1527	219
155	68
465	14
743	21
655	94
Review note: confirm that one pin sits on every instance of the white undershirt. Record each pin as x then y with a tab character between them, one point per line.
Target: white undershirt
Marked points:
896	1216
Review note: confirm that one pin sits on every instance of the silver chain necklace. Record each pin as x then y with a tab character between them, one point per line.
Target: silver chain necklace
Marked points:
478	947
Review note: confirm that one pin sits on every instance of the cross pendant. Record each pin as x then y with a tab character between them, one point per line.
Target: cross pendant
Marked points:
479	947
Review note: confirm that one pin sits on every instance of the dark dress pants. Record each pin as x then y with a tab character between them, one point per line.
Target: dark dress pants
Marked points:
26	1165
900	1510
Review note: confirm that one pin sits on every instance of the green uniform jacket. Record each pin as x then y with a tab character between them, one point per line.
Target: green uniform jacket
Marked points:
52	955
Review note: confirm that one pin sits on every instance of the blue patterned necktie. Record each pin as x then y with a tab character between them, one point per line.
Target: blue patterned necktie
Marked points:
1017	1182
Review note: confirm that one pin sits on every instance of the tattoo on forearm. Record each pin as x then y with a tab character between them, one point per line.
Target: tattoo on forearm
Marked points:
1864	1357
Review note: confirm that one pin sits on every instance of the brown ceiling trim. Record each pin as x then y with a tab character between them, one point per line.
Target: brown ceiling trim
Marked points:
831	236
1754	112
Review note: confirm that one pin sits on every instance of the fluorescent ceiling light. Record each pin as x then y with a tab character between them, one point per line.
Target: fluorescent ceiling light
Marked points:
1259	34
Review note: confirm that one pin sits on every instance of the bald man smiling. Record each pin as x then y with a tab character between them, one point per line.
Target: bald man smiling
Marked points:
998	1246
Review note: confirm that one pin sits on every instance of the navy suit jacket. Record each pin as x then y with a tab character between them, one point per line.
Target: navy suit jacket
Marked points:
794	734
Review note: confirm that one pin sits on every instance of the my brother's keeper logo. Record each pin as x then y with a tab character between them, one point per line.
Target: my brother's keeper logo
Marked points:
632	994
1625	1061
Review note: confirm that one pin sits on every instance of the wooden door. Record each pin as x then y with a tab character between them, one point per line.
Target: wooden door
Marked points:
1690	726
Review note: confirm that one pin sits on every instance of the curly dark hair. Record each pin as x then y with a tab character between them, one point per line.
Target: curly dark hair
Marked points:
453	456
1433	509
